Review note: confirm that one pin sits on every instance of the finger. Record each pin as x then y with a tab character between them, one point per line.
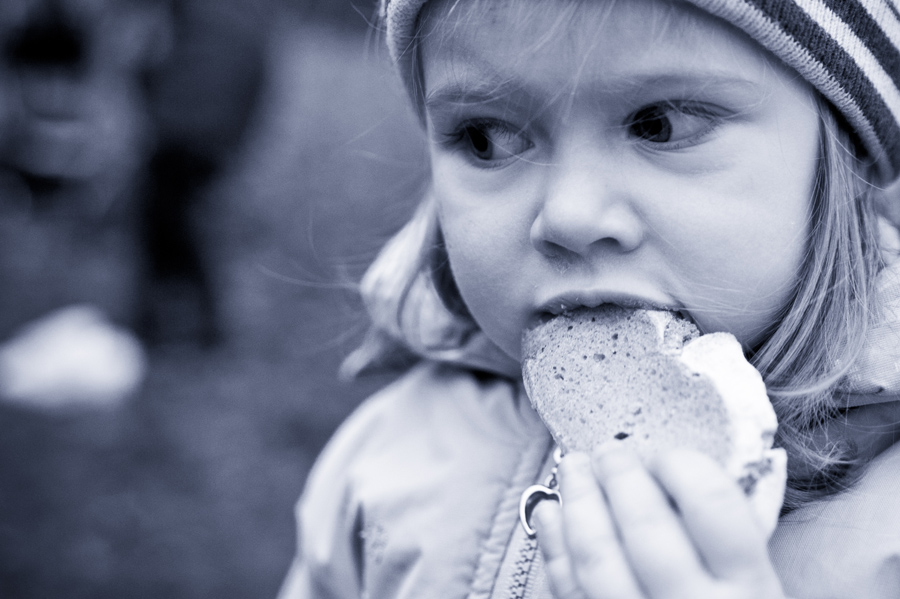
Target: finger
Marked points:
547	521
716	514
597	558
658	548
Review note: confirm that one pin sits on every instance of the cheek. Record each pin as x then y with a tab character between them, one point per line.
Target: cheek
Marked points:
773	237
485	229
477	251
487	245
472	253
739	240
484	276
745	268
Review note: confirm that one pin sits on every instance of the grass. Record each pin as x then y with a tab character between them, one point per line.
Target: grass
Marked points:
187	490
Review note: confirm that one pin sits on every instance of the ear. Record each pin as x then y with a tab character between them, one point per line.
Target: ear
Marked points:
889	204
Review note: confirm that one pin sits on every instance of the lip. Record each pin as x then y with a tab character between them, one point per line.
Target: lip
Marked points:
574	300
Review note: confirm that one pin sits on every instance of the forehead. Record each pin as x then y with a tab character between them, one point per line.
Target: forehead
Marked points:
610	45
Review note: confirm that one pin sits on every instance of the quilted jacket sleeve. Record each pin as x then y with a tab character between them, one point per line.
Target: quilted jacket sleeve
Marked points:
413	495
326	565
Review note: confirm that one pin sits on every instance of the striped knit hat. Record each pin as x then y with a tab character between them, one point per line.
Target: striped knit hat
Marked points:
847	49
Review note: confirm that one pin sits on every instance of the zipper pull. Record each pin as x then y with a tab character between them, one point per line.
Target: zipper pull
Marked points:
534	494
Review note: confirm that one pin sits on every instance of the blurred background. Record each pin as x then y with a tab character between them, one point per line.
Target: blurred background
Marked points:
189	191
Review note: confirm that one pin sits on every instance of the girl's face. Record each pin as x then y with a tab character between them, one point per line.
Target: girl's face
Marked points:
635	152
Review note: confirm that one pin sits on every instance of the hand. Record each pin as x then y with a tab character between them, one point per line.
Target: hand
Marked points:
618	535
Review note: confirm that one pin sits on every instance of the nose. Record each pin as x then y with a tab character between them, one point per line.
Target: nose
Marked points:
588	205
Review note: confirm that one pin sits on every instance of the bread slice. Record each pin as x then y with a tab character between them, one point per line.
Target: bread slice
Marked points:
648	378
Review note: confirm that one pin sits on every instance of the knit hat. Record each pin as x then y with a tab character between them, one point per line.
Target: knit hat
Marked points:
847	49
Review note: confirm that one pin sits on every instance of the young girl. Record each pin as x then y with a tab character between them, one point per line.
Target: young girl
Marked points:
719	158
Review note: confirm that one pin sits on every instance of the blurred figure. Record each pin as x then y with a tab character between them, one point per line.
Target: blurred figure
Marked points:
115	118
74	134
201	100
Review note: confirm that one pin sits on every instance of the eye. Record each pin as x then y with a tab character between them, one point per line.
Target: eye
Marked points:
673	123
491	141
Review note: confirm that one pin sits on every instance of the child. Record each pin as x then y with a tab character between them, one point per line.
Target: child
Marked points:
720	158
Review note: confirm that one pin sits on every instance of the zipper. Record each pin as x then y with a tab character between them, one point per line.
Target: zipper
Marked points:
518	587
522	581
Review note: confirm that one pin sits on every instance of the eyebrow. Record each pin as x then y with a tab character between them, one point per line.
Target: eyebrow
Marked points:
490	87
483	91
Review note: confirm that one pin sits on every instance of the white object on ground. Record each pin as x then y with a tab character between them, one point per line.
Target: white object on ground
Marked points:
73	357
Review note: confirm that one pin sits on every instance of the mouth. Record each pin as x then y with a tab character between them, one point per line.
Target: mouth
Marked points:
591	300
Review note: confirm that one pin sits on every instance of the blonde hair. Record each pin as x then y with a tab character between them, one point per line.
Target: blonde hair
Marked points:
819	334
824	327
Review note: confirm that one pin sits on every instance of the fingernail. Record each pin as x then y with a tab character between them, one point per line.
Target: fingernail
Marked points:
576	464
577	460
612	457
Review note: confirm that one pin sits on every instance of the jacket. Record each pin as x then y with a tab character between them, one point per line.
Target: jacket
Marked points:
416	496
